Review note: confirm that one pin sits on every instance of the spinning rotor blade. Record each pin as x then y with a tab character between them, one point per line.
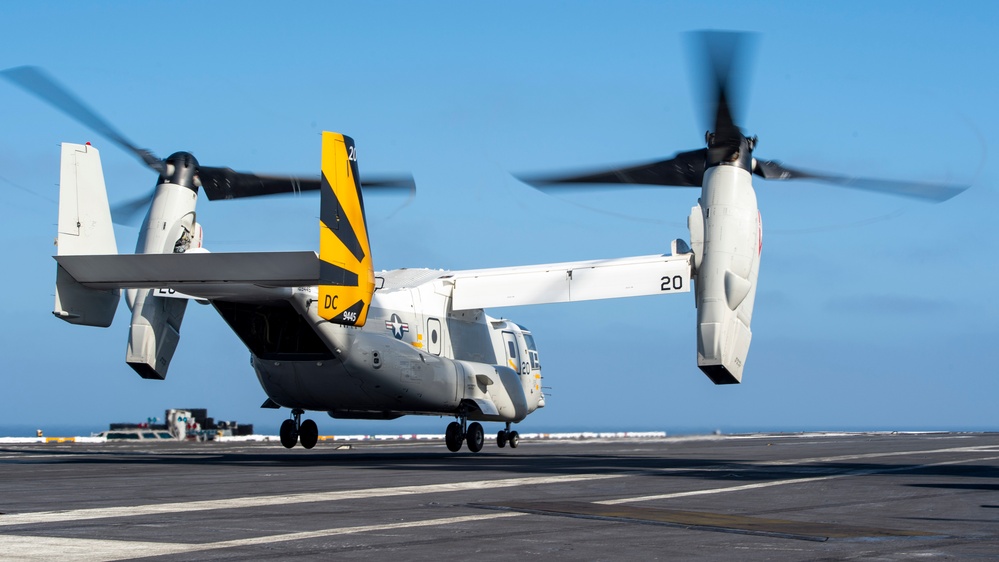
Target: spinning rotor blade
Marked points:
36	82
226	183
686	169
721	62
127	212
218	183
722	56
389	184
927	191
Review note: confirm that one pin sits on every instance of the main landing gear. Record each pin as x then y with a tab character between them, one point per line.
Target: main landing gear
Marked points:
296	431
472	434
456	433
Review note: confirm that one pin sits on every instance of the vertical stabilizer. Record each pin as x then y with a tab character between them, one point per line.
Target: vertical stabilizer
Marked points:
84	228
347	277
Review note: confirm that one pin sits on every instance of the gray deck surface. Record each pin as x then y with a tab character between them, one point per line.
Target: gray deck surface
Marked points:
754	497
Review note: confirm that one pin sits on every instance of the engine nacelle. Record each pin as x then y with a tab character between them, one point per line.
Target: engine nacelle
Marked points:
169	227
154	332
726	237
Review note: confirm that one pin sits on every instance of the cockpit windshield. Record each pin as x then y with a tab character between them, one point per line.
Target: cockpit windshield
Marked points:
532	350
530	342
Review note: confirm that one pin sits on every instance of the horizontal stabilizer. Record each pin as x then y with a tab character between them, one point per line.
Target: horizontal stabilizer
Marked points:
571	281
186	271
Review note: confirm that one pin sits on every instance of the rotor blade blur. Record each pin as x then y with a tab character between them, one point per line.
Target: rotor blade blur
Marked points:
36	82
926	191
720	59
128	212
226	183
686	169
402	184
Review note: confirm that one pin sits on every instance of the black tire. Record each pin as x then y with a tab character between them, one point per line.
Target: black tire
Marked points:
501	439
514	439
452	437
308	434
289	435
475	437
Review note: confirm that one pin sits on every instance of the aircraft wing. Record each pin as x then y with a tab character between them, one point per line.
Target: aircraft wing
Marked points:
265	275
571	281
203	275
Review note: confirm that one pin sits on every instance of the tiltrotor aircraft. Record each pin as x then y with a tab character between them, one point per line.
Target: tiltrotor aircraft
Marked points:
327	333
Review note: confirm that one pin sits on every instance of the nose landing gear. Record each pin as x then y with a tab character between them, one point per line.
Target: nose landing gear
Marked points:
506	436
289	433
296	431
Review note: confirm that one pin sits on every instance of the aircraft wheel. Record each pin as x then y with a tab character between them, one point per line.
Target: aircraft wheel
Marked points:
501	439
308	434
514	439
475	438
289	435
452	437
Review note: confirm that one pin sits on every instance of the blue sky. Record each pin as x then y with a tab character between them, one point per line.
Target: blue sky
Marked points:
873	312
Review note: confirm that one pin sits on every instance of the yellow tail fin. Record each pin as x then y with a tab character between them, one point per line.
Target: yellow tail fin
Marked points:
347	279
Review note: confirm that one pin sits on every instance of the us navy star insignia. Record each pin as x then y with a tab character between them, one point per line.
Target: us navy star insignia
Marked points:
397	326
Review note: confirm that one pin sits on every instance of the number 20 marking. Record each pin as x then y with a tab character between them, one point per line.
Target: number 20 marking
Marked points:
674	283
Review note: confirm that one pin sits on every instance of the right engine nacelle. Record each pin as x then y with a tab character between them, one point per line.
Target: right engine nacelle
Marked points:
154	332
169	227
726	238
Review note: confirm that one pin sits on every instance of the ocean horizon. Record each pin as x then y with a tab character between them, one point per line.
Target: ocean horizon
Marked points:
352	427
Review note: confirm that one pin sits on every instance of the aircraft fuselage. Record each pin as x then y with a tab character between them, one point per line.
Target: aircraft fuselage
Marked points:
413	356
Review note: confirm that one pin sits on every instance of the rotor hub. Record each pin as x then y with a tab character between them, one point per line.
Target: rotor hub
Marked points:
730	150
181	168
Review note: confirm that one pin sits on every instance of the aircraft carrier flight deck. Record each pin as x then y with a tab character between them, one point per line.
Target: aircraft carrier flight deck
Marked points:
877	496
